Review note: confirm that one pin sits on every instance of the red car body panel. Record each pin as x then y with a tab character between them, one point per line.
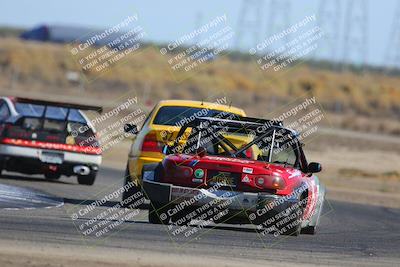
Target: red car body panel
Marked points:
246	170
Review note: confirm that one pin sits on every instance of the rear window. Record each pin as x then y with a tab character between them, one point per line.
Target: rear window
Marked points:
56	126
29	109
178	116
52	112
31	124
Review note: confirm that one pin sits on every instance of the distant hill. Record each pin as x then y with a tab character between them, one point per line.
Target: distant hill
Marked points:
10	31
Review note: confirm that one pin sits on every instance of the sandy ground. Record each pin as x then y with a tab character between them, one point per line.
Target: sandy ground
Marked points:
27	254
46	255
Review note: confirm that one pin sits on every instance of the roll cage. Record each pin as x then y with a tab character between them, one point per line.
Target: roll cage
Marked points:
211	128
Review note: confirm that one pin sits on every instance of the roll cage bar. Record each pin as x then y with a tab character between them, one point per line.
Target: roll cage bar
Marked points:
244	125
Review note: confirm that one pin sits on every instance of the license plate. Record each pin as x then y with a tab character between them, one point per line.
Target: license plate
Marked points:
51	157
223	179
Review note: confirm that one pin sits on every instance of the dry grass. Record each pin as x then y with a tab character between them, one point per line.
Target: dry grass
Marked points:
351	98
352	172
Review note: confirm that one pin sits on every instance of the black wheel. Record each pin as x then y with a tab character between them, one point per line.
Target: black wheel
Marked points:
294	230
127	195
52	176
309	230
87	179
179	218
293	226
158	213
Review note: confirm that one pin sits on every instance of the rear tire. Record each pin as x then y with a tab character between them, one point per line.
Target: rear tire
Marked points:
87	179
158	213
295	231
293	226
309	230
52	176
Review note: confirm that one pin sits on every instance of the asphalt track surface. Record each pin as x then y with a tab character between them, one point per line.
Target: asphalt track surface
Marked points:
36	210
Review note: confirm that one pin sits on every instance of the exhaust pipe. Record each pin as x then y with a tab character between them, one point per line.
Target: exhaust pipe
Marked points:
81	170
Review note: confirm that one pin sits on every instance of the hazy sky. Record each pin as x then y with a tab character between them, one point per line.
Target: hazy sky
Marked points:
168	20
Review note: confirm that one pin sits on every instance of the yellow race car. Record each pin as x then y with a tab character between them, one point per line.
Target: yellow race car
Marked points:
162	126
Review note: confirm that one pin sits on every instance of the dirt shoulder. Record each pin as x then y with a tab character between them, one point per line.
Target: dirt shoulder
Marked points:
13	254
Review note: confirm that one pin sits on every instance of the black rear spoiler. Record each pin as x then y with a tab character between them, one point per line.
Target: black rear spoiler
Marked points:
58	104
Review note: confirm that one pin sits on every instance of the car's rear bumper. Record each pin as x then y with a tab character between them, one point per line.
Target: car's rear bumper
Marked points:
135	164
29	160
261	204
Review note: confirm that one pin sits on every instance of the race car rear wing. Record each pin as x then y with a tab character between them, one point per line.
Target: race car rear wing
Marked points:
58	104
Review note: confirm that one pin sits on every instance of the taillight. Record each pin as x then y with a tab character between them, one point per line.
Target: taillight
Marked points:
278	183
270	182
249	153
54	146
180	172
150	144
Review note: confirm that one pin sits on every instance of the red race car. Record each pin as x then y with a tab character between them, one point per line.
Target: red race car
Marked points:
264	179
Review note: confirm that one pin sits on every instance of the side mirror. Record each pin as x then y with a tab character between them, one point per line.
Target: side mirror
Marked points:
130	128
314	167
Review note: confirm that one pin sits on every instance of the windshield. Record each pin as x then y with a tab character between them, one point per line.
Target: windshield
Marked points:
178	115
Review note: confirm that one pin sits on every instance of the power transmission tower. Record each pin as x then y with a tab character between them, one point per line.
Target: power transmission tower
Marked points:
279	17
197	25
329	19
355	48
392	56
249	22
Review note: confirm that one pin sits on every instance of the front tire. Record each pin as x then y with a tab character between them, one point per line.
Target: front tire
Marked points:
52	176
